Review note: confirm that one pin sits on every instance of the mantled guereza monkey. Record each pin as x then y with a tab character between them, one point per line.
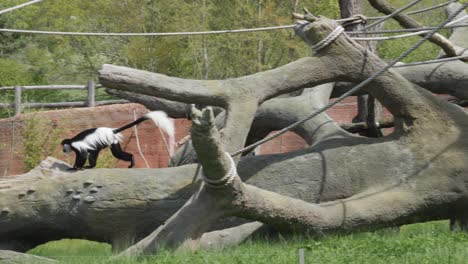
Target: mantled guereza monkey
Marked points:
88	143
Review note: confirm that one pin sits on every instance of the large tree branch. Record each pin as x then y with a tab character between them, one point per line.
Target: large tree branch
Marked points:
441	78
278	113
401	200
407	22
306	72
459	35
240	96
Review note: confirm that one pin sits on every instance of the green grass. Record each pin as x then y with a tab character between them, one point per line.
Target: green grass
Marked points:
420	243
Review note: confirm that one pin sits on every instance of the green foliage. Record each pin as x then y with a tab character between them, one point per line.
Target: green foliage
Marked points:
38	59
13	73
41	138
420	243
391	49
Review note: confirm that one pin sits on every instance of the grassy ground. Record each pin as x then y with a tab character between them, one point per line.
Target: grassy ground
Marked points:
421	243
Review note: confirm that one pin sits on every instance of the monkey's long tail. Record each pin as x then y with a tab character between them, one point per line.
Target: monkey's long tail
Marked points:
161	120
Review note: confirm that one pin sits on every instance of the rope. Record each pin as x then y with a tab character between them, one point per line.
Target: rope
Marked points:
398	11
354	89
410	34
390	37
329	39
231	31
19	6
226	179
155	34
401	30
419	10
431	8
432	61
135	129
458	20
115	34
161	34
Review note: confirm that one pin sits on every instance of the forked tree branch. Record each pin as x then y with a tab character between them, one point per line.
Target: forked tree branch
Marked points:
407	22
400	200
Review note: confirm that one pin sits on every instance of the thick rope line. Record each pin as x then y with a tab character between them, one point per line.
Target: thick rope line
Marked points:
226	179
115	34
402	30
431	61
408	35
390	37
390	31
19	6
420	10
329	39
354	89
458	20
152	34
385	18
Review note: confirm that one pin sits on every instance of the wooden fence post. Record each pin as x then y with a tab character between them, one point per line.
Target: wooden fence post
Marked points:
17	100
91	94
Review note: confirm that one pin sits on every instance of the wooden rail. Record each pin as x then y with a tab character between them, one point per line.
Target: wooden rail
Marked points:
90	102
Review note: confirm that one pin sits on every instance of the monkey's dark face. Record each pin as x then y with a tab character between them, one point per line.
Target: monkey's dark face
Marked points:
66	143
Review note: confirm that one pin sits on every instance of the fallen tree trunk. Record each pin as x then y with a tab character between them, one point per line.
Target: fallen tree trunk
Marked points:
120	206
440	78
423	187
11	257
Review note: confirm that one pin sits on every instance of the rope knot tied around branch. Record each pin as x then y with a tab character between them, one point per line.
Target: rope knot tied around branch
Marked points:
328	39
355	19
226	179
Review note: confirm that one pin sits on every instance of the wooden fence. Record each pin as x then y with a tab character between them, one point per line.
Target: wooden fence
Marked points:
90	102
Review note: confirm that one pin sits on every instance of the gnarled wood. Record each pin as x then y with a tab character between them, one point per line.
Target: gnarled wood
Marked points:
424	191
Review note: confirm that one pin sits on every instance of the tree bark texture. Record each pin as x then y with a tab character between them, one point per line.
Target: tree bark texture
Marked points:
419	186
12	257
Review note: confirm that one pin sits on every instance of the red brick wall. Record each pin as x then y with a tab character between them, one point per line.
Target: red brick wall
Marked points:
72	121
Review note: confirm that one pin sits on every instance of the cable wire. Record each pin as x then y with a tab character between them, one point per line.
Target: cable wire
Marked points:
421	32
155	34
396	12
19	6
431	61
419	10
123	34
402	30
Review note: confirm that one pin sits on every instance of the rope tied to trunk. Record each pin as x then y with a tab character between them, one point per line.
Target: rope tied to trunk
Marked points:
328	39
226	179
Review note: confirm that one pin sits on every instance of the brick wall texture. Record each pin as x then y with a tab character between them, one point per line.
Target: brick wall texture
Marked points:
72	121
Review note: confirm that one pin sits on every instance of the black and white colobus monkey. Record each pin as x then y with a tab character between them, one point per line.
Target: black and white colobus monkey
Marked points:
88	143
